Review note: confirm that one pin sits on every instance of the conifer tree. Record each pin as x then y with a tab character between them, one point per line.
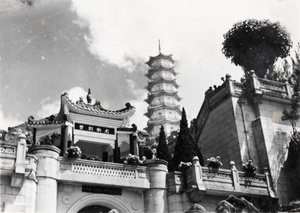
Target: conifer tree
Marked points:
186	147
162	148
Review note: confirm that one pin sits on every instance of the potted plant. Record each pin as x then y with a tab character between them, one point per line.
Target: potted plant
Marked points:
214	163
73	152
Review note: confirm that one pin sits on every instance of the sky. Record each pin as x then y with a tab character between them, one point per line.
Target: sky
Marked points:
51	47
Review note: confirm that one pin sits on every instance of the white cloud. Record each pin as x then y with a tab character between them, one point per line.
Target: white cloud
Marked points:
141	107
138	118
127	32
49	107
8	121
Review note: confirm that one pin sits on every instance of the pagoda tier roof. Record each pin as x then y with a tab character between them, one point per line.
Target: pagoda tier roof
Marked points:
150	125
160	68
163	106
162	93
159	56
161	80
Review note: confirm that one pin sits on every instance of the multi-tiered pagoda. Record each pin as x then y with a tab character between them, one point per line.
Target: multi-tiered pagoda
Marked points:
163	96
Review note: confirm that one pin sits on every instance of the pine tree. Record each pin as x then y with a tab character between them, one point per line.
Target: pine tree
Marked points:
186	147
162	148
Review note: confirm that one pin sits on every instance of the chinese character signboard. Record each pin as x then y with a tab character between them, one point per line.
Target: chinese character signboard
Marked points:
96	129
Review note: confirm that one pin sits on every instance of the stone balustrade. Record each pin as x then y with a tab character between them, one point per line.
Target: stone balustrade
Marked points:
15	163
198	181
104	173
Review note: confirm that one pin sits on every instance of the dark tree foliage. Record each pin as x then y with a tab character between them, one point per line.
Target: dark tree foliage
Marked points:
255	45
186	147
162	148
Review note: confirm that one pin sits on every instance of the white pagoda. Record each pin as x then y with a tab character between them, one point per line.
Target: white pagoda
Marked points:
163	99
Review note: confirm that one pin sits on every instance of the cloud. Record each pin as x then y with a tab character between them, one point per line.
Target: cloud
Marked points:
139	118
125	33
49	107
141	106
139	93
8	121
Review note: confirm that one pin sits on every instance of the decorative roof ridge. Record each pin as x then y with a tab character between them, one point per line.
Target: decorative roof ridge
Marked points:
93	108
47	121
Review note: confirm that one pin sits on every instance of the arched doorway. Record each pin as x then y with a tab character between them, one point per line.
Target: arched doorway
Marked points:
107	201
94	209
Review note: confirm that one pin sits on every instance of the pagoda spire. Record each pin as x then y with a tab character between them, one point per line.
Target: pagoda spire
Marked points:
159	50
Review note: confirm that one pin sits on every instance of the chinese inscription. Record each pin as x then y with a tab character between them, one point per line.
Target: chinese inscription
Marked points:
97	129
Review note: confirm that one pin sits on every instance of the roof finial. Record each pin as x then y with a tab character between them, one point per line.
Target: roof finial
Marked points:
89	96
159	46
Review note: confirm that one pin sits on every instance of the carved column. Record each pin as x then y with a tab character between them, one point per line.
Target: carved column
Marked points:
156	196
46	195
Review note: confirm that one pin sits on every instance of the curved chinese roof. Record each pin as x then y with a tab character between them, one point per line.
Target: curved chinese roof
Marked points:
80	107
96	109
160	56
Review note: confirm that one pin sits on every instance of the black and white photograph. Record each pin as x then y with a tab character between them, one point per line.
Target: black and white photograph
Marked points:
139	106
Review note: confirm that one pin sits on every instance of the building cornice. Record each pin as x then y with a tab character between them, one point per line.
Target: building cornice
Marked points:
162	93
158	69
161	80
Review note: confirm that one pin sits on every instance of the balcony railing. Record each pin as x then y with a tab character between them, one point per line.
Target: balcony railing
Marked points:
198	181
104	173
15	163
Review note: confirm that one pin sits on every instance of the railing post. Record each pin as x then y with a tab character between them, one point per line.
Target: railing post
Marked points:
197	178
18	176
235	176
289	89
197	188
255	83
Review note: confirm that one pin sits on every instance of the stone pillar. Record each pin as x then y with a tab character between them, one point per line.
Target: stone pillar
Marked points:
235	176
18	177
46	193
156	196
